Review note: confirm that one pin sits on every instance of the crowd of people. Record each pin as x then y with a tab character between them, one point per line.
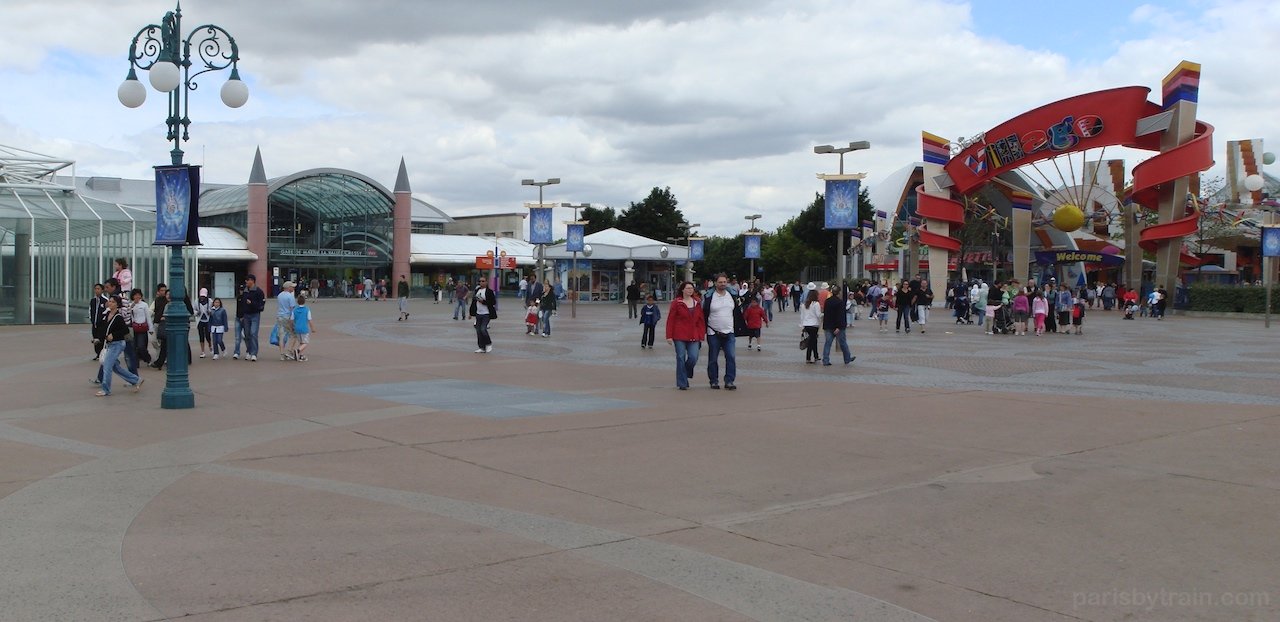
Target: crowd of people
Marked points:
127	331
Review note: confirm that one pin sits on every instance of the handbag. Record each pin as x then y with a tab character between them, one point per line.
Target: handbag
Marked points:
804	341
275	335
139	329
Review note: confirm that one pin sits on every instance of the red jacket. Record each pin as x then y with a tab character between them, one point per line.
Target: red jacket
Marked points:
684	323
754	316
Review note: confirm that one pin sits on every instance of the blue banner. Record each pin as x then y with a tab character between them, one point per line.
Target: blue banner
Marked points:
842	204
695	250
574	239
1271	241
751	246
540	225
177	215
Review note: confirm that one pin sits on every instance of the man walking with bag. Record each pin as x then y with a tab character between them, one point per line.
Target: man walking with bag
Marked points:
724	319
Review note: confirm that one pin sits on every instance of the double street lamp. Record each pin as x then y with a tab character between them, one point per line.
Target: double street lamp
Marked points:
688	242
541	263
821	149
752	231
573	268
160	51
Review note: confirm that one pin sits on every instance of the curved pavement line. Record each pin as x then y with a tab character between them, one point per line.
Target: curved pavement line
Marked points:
754	592
63	536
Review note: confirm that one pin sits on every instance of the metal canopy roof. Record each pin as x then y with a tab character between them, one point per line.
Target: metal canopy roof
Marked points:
334	194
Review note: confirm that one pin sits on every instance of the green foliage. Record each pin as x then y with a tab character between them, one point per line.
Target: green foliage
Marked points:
783	254
721	254
808	225
1228	298
657	217
599	219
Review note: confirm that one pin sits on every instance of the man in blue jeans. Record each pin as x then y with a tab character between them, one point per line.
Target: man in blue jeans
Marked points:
835	324
460	300
724	316
253	300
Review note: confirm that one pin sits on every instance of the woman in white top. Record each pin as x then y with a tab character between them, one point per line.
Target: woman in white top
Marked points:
810	321
140	316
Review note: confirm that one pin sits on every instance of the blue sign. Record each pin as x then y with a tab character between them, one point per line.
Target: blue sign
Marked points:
751	246
540	225
842	204
695	250
1271	241
177	216
574	239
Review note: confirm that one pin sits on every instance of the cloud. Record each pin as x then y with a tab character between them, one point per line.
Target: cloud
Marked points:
720	101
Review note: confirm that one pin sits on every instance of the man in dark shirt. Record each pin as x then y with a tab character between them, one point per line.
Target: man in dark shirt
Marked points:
633	300
158	305
97	306
253	300
460	300
835	324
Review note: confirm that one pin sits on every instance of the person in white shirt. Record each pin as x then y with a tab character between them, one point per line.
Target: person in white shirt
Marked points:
723	315
285	304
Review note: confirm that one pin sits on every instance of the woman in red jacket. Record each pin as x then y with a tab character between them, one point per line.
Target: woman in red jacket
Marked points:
686	328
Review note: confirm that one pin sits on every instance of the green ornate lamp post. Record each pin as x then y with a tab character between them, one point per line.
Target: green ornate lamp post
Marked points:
160	51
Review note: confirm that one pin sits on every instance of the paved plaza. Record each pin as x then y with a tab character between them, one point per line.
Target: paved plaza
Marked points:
1130	473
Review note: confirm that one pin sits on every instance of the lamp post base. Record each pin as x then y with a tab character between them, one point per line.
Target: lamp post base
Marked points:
177	388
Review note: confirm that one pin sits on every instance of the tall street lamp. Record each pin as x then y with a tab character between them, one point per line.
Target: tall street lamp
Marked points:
573	293
752	231
159	50
853	146
688	242
542	261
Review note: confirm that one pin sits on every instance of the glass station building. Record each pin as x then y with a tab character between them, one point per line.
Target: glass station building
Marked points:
324	228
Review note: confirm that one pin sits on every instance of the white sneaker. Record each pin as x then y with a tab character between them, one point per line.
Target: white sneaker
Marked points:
757	348
488	348
202	355
545	335
235	356
253	357
215	357
480	350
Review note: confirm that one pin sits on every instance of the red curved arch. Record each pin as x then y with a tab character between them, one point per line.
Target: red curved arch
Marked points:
938	208
1150	177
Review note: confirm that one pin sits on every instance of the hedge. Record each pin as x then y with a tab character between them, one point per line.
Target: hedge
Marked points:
1230	298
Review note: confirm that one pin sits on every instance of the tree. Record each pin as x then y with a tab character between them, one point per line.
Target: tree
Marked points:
784	255
808	225
721	254
657	217
598	219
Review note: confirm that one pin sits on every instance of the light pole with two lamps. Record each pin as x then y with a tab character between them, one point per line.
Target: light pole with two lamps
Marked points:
586	249
688	242
159	50
541	270
853	146
752	231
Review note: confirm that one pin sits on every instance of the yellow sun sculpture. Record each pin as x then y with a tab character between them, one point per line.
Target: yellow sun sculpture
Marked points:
1068	218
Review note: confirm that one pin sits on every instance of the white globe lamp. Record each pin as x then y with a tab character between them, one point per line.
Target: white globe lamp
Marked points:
164	76
234	92
131	92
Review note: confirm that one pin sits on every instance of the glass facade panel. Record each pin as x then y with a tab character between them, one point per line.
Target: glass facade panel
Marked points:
54	246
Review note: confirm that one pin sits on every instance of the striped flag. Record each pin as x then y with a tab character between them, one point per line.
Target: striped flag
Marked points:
935	147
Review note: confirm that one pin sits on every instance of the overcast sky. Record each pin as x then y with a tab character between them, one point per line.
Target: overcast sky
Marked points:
721	100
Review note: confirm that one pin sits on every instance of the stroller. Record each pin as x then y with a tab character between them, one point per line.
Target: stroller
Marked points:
1002	321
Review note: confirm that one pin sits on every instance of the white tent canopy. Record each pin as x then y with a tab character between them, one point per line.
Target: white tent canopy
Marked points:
615	244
